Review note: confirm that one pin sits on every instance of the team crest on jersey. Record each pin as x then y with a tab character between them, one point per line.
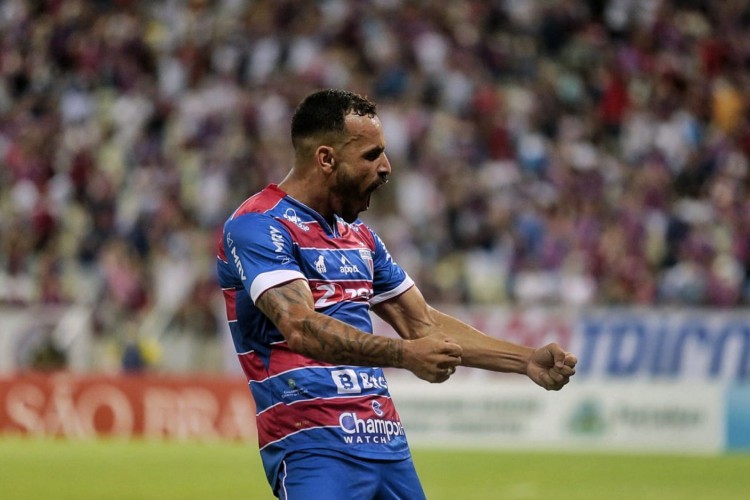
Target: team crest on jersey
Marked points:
366	255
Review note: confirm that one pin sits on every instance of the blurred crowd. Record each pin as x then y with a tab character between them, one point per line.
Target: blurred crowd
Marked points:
554	152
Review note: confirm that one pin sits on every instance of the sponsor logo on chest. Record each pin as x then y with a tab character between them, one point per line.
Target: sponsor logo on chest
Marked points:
347	267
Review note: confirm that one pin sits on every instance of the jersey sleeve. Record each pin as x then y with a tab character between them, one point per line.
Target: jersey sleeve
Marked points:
389	279
260	250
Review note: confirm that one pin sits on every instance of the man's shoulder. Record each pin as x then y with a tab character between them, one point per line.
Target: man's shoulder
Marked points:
263	202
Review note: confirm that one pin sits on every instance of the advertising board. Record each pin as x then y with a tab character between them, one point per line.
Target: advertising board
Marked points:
504	413
156	407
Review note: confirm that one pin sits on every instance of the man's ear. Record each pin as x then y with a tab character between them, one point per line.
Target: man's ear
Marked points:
324	156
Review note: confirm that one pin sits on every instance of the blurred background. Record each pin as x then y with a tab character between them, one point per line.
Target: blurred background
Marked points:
563	170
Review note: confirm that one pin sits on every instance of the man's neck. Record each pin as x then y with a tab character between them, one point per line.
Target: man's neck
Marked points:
306	191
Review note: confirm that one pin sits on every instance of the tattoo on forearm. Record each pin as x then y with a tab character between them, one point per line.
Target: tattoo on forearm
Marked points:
340	343
326	338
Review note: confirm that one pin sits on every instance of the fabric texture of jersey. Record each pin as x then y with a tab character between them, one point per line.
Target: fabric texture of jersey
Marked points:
302	403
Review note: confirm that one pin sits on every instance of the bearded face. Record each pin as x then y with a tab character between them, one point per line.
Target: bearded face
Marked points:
361	167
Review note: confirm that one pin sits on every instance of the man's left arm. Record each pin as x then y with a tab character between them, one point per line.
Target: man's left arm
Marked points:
409	314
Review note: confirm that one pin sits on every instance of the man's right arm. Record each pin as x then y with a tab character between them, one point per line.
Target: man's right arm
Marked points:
290	307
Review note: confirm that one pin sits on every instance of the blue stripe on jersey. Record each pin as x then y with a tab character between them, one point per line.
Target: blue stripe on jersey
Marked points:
351	313
310	382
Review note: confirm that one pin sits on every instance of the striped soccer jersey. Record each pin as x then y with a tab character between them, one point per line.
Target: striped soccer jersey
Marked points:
302	403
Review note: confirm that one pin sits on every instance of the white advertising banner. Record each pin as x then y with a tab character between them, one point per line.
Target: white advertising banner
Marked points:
503	412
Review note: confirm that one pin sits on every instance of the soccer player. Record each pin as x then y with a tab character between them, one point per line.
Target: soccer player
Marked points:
300	273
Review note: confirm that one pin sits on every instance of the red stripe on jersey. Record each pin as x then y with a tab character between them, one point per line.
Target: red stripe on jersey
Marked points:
312	238
281	420
283	359
230	300
222	253
348	240
362	233
253	366
261	202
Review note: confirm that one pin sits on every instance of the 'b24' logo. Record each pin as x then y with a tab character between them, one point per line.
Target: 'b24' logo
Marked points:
346	381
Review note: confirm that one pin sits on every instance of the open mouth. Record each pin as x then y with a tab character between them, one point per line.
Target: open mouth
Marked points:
374	187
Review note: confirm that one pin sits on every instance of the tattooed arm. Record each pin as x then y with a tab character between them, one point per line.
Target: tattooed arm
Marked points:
291	308
548	366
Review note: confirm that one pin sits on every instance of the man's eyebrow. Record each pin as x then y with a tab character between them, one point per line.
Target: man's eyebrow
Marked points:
373	153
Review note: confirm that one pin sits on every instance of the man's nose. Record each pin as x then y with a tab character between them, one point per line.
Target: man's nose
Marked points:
385	166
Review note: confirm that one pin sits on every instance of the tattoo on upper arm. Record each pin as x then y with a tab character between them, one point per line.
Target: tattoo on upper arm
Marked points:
275	302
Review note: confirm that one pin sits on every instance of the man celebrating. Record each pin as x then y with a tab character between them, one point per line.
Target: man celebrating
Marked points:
300	272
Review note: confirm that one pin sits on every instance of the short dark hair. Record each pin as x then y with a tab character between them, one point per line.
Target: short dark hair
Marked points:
325	111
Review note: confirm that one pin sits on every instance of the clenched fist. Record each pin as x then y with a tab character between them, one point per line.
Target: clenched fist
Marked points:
551	367
433	358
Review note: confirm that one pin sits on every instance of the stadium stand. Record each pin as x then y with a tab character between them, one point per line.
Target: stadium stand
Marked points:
545	152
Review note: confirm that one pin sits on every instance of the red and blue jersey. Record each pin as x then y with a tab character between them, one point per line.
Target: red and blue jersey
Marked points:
301	403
